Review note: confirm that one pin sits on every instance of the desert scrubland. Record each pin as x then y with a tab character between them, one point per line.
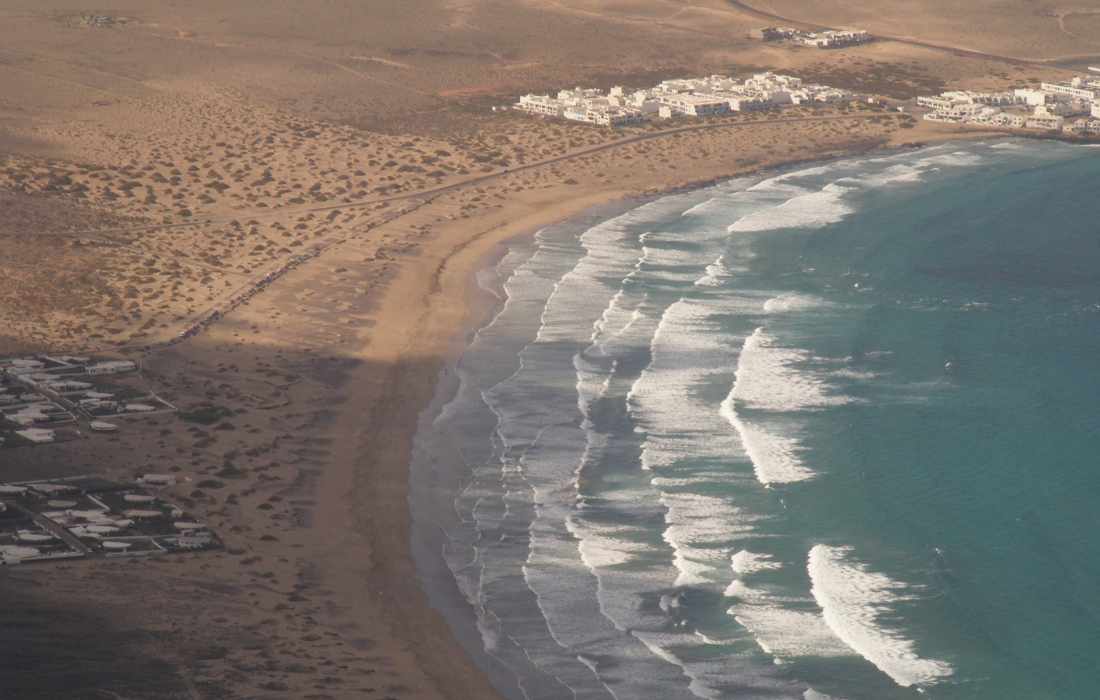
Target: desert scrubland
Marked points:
338	166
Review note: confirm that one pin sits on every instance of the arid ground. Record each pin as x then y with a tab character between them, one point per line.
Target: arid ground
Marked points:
329	175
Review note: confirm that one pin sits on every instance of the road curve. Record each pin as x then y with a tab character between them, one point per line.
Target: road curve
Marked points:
434	192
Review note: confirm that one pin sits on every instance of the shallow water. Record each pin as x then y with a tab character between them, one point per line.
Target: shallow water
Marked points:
827	432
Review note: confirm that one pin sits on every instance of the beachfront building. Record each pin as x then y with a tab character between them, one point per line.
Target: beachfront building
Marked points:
696	105
1045	122
540	104
1083	127
996	99
935	103
1008	120
691	97
1096	109
1044	108
583	106
1033	97
1082	88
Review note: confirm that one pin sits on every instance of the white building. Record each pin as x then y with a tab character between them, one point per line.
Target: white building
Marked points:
1066	108
1032	97
982	98
111	367
1078	88
618	117
836	39
934	102
696	105
1051	103
748	103
1082	127
1008	120
38	436
68	385
775	33
696	97
1045	122
1096	109
540	104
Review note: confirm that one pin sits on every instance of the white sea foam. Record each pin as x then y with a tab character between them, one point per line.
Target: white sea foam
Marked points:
899	174
582	293
819	196
853	600
702	207
903	173
609	547
687	348
746	563
776	459
782	180
699	529
780	624
793	302
814	209
593	564
955	159
769	378
772	378
716	273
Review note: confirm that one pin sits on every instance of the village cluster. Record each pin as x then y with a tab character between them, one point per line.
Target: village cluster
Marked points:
91	517
695	97
830	39
45	398
1072	108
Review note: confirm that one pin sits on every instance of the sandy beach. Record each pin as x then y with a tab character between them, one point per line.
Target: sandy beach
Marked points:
326	375
429	309
333	183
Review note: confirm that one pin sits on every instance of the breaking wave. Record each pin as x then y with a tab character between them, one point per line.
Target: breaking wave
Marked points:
853	600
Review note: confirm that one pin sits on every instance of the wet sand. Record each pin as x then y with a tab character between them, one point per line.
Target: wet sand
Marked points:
326	375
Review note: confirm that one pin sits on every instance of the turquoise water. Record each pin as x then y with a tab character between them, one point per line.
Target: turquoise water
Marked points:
826	432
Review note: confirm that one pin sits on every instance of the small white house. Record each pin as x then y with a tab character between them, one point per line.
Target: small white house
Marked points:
111	367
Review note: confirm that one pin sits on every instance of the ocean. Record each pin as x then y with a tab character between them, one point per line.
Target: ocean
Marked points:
824	432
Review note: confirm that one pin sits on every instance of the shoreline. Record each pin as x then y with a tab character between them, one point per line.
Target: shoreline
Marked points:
461	269
363	336
308	246
428	538
374	492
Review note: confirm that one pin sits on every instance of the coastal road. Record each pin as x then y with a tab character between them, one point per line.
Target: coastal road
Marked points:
434	192
199	322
